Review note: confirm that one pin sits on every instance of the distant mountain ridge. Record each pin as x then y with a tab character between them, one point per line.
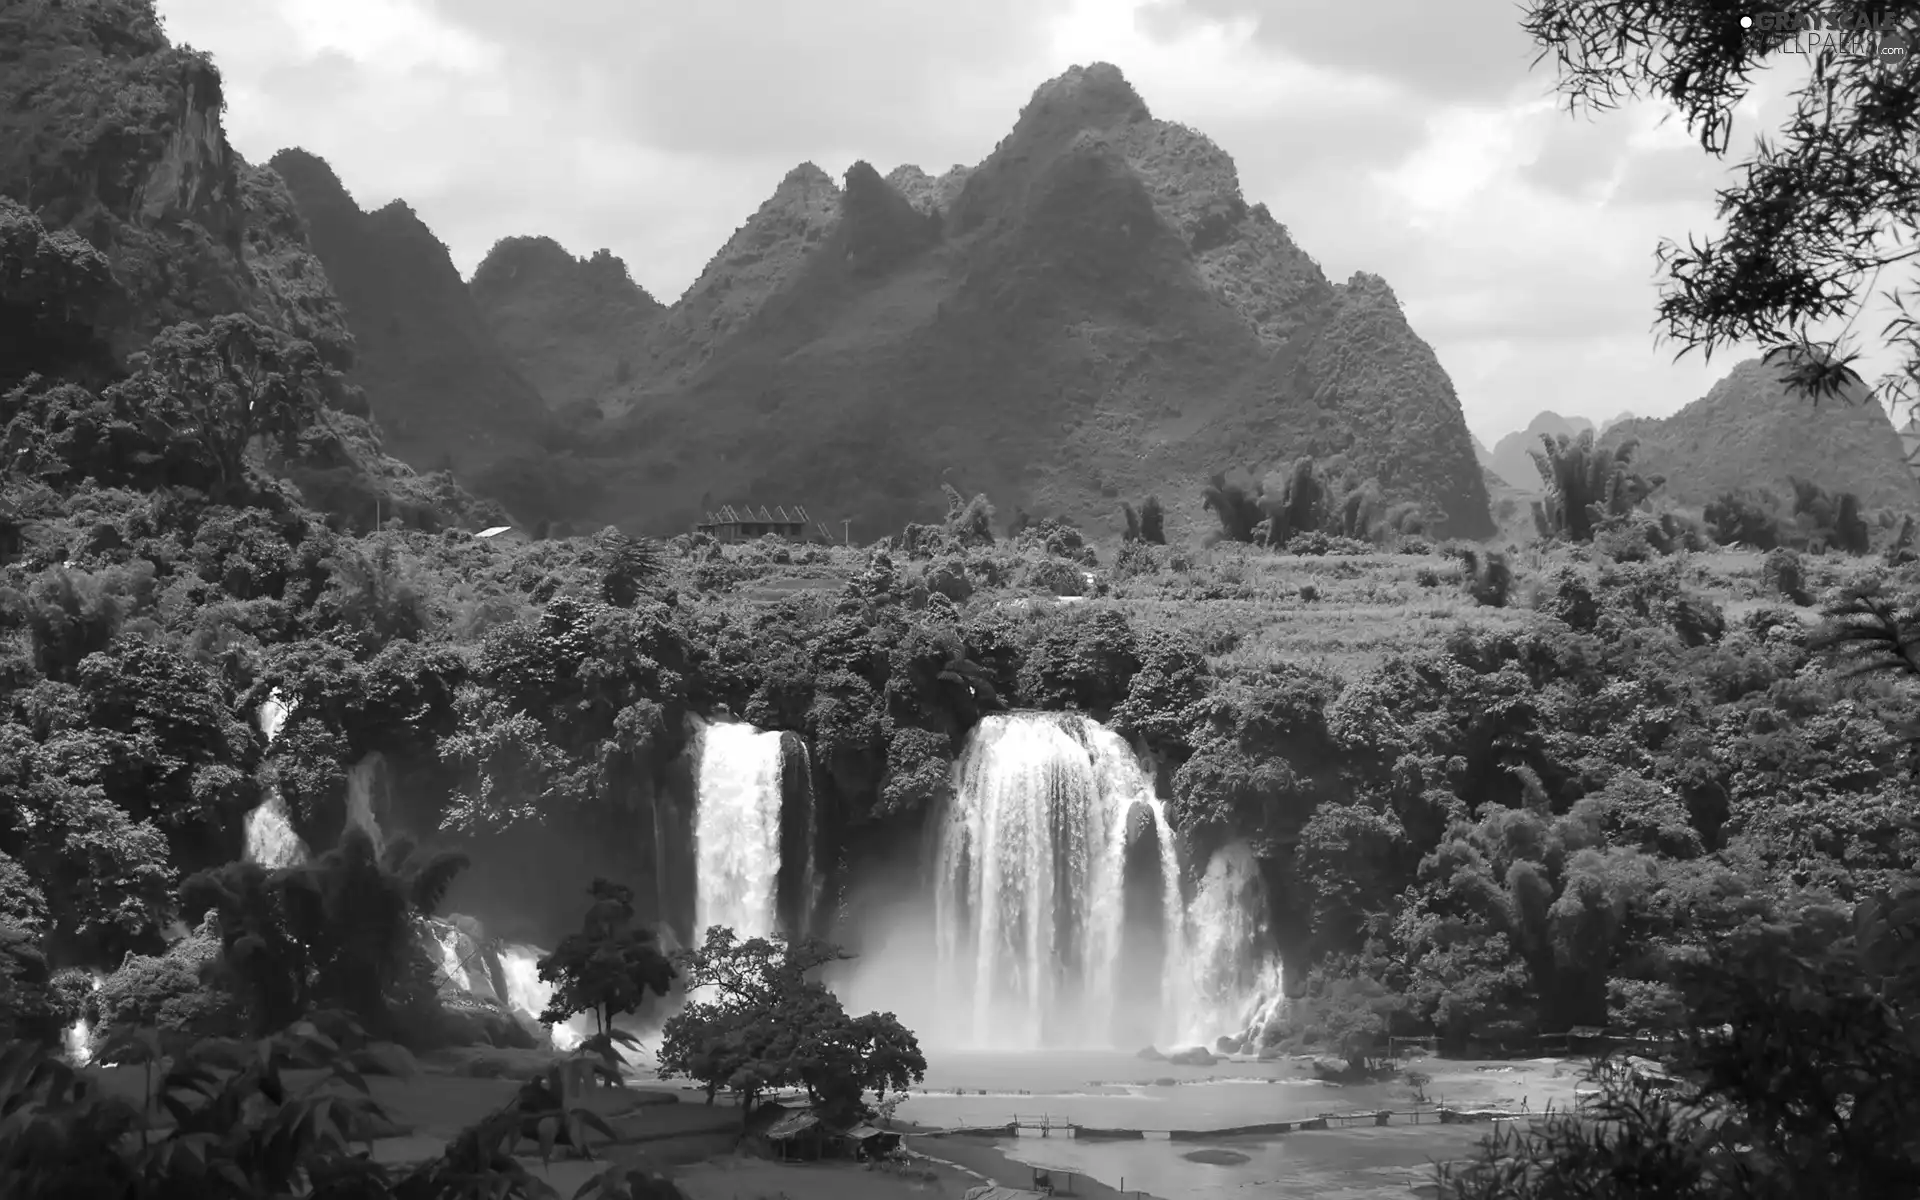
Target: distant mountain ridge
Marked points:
1512	456
443	390
1089	313
1752	431
572	326
1093	312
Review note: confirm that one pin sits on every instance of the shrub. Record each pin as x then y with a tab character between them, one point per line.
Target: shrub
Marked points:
1785	572
176	994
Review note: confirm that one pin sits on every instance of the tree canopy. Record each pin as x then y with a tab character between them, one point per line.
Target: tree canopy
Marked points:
759	1022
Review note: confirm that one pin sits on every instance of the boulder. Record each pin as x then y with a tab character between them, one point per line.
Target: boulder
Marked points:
474	1022
1151	1055
1193	1056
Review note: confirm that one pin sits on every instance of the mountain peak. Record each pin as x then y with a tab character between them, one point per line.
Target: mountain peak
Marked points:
926	192
806	175
1092	96
311	178
880	226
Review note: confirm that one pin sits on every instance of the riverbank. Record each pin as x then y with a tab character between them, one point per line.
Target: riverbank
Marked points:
986	1160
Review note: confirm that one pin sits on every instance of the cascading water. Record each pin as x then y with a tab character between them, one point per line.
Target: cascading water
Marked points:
361	778
1233	984
736	829
270	838
77	1039
1034	875
1029	902
529	995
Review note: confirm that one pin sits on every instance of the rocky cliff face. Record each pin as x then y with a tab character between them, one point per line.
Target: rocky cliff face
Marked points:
439	385
111	134
1093	312
1750	431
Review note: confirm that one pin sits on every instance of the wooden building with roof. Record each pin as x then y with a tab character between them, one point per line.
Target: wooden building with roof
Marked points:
745	524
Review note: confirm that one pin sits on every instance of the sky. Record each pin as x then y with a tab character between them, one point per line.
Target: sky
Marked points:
1408	138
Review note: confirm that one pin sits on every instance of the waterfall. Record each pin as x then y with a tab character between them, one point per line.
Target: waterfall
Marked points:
77	1038
360	813
813	880
1230	976
529	995
736	829
1028	902
1031	893
1173	911
270	838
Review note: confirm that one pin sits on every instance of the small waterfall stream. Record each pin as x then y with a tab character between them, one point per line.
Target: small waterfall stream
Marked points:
76	1040
362	778
270	837
1228	980
529	995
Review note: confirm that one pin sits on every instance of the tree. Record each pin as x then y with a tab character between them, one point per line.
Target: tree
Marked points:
1586	485
1236	508
1797	1079
769	1025
625	564
971	521
52	287
1819	211
334	932
228	383
610	967
1153	521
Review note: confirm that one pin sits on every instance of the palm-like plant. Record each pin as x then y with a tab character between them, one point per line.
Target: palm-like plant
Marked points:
1586	484
337	929
1236	508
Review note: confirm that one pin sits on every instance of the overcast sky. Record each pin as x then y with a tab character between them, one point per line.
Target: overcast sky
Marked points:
1403	137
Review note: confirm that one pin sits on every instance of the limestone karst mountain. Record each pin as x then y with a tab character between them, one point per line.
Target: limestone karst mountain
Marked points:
1093	312
442	389
574	327
1512	456
1751	431
113	157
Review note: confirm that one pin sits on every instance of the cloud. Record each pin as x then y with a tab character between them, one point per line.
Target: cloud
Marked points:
1451	51
755	77
1395	136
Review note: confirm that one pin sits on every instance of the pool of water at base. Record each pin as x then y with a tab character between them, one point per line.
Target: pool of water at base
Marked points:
1117	1090
1371	1164
1114	1091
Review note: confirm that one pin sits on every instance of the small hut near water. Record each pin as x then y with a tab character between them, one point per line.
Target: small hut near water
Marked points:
866	1141
799	1135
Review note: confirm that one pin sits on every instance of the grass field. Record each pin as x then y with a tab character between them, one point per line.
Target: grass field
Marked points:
1253	608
